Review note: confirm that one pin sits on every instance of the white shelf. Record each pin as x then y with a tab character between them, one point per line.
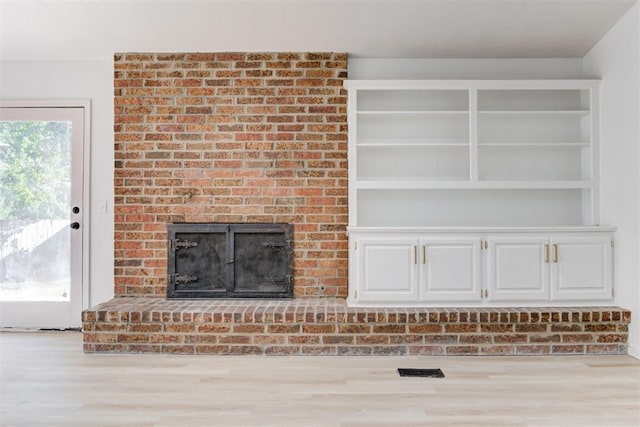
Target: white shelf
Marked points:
464	184
534	185
485	229
536	113
482	85
410	143
466	152
412	112
535	144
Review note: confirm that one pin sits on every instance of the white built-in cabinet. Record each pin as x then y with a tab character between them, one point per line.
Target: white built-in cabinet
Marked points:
518	268
406	268
555	268
475	192
386	269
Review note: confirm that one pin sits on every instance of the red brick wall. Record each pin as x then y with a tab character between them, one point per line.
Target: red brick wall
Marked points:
230	137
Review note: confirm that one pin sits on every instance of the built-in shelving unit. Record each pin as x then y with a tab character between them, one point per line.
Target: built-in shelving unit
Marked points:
478	140
475	154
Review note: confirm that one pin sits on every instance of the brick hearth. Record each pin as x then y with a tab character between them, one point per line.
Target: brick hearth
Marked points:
328	327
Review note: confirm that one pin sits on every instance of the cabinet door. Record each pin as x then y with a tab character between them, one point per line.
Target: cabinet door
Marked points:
450	269
581	268
518	269
387	270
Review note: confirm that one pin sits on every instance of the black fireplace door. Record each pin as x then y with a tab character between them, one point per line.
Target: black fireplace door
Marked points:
230	260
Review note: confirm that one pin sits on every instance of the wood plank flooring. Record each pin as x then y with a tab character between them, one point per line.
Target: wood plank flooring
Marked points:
46	380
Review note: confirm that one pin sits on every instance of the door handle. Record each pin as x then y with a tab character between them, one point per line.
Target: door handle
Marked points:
75	225
546	254
424	254
555	253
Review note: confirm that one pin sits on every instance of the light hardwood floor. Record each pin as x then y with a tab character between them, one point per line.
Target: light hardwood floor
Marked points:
45	379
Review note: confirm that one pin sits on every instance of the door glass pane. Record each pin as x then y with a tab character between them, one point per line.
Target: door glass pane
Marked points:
35	193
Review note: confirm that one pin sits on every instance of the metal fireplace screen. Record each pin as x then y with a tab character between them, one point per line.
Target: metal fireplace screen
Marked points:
230	260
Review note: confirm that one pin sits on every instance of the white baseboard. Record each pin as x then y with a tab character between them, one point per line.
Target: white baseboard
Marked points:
633	352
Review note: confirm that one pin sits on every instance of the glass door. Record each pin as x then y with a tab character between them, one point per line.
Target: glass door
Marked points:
41	217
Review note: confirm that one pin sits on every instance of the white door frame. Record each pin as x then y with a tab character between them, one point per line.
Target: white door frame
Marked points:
84	104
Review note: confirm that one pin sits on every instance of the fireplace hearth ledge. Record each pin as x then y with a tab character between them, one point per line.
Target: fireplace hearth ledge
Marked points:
327	326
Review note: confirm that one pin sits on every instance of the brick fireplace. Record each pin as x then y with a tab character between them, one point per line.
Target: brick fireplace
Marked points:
261	138
230	138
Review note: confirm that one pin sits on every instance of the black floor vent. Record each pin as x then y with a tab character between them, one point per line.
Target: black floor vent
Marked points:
411	372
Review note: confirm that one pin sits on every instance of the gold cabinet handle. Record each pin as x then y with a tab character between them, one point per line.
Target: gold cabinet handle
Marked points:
555	253
546	254
424	254
415	254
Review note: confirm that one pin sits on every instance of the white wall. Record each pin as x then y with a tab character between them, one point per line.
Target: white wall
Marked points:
55	80
398	68
616	60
